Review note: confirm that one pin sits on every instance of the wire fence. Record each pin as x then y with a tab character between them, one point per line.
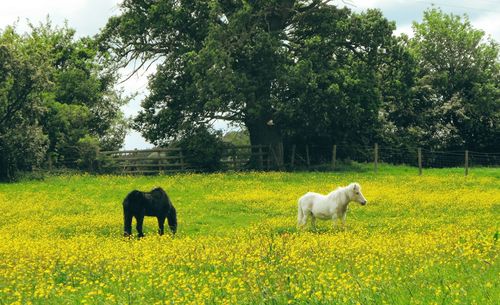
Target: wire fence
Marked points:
310	156
278	157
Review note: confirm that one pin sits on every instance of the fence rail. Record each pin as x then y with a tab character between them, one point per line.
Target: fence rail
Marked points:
289	157
174	160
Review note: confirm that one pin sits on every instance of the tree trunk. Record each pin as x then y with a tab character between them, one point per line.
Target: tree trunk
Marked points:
267	134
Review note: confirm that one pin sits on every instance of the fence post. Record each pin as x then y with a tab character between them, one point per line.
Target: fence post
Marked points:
334	156
134	162
182	159
292	159
375	161
419	150
307	156
275	150
261	158
466	162
269	157
281	155
234	158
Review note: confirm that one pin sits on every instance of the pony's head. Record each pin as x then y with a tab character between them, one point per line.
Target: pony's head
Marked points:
356	194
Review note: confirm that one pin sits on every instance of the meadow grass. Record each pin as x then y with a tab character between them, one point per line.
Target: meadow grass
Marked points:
428	239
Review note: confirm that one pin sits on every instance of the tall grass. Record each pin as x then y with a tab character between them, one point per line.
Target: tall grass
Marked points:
428	239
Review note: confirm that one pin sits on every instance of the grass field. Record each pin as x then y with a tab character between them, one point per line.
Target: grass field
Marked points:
420	240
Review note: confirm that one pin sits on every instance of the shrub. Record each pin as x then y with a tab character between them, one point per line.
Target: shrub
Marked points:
203	149
88	150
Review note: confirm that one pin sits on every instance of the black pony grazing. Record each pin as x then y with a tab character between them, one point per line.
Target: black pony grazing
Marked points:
155	203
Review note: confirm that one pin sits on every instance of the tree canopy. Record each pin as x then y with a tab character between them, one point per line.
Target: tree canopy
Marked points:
22	142
452	98
54	92
281	68
289	71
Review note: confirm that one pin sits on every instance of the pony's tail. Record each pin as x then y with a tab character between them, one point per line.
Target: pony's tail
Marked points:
300	215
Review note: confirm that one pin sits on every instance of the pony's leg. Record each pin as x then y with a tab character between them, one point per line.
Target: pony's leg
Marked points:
344	227
140	220
303	221
313	222
161	224
127	223
334	220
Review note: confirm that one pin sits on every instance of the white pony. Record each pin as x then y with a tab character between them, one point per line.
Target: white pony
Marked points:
332	206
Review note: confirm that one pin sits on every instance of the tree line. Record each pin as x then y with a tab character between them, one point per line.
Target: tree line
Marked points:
287	71
57	99
308	71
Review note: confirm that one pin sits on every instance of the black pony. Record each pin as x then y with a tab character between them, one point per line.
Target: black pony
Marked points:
155	203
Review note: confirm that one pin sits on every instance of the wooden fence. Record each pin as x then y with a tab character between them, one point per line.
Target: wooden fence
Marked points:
303	157
167	160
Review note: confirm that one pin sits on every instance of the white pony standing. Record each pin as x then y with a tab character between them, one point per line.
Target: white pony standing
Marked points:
332	206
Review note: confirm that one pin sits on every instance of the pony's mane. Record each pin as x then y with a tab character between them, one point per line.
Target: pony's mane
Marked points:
338	191
159	190
134	195
342	190
355	184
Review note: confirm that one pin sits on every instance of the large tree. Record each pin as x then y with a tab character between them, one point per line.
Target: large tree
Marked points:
279	67
79	93
22	142
453	101
331	90
54	95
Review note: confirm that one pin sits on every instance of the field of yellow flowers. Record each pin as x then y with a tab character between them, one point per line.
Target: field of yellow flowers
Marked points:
428	239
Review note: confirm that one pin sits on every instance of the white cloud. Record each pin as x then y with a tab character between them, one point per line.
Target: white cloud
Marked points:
134	140
490	23
364	4
35	9
136	84
406	28
86	16
457	5
484	15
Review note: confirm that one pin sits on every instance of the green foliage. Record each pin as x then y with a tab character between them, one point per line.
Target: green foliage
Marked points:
237	137
22	142
306	65
88	150
330	89
21	149
454	100
321	74
66	124
56	87
203	148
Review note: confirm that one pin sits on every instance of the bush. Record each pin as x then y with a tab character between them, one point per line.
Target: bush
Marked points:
203	149
88	151
21	149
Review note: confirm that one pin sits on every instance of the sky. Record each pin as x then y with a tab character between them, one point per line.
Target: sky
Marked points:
87	17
